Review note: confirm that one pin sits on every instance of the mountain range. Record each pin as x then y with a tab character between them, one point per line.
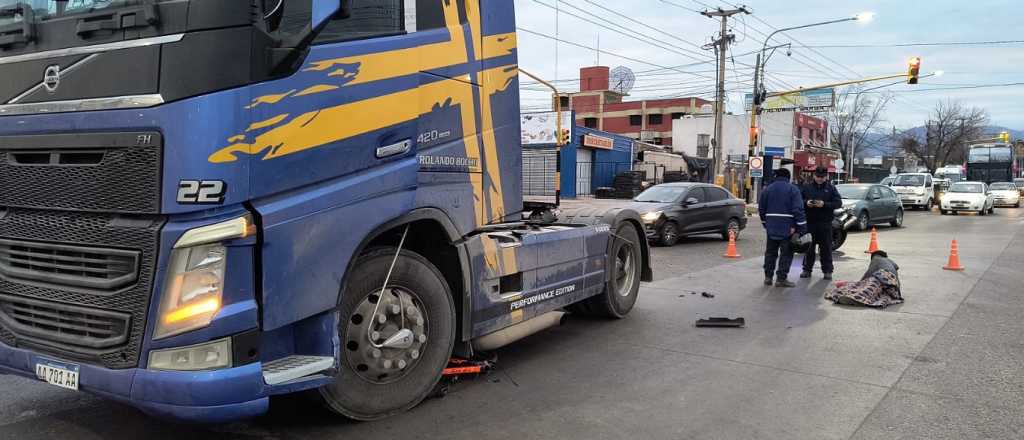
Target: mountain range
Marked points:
884	145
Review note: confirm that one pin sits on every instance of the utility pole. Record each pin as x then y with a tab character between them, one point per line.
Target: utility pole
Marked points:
722	45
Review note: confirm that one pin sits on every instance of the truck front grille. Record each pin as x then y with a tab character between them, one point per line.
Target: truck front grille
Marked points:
64	324
97	172
117	240
73	266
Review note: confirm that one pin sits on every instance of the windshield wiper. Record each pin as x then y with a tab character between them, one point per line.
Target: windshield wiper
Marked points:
18	33
143	15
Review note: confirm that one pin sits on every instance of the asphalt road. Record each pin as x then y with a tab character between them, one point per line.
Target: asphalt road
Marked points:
947	364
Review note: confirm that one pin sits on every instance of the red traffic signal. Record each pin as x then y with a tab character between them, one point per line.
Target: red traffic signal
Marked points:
913	70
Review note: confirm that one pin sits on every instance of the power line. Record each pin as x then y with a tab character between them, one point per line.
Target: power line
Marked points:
653	42
644	24
583	46
952	43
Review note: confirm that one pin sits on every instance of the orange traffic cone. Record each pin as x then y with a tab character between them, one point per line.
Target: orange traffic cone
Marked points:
954	258
874	242
730	251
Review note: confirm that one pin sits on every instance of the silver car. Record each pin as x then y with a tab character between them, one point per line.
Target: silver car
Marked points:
871	204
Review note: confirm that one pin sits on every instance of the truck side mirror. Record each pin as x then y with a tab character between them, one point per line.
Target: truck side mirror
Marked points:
324	10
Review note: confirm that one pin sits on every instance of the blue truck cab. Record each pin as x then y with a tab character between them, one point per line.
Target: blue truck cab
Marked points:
207	203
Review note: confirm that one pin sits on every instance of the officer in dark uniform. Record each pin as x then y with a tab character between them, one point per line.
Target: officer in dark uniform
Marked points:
781	209
821	199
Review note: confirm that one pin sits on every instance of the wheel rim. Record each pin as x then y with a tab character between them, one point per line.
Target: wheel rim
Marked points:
625	270
899	218
733	228
670	232
372	362
863	220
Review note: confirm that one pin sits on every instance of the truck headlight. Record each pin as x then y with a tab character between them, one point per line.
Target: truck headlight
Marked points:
195	277
651	217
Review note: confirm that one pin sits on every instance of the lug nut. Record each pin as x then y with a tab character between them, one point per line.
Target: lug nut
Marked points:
422	338
375	336
419	321
410	310
375	353
395	309
381	318
387	363
415	354
401	364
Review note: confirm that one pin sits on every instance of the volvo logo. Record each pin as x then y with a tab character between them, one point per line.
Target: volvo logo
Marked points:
51	78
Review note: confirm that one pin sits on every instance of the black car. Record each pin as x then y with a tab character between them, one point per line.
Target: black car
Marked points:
674	210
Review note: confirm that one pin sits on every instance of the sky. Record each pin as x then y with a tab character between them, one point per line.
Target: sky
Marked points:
660	40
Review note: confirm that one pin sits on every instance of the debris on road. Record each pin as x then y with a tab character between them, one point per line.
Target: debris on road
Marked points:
721	322
707	295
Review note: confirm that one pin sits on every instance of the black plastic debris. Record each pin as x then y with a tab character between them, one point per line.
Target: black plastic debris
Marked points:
721	322
707	295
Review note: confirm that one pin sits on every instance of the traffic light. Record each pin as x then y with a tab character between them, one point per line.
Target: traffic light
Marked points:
913	70
1004	137
563	137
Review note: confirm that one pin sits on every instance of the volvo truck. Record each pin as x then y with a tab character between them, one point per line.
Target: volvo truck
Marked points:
208	203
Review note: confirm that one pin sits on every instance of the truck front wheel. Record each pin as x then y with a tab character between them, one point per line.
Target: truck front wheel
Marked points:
625	264
376	377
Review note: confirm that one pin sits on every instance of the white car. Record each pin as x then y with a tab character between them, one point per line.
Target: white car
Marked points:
916	190
968	196
1005	194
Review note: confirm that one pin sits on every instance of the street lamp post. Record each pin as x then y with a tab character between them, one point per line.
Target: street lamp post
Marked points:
759	93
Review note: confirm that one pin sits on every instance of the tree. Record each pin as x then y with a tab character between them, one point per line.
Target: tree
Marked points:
950	127
853	118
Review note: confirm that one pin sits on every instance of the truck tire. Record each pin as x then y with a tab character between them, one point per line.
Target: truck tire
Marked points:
373	383
620	291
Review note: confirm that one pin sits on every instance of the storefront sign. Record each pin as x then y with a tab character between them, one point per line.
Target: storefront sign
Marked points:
601	142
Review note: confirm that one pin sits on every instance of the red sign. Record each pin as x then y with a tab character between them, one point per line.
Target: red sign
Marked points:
603	143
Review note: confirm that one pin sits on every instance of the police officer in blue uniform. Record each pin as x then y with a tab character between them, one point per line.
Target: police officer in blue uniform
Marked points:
821	199
781	208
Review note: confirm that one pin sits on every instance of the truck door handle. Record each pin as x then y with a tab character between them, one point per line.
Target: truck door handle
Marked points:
394	149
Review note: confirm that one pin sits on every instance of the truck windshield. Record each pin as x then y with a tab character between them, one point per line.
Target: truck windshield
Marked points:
52	8
978	155
1000	154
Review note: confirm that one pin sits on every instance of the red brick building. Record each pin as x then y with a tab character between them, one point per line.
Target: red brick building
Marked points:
600	108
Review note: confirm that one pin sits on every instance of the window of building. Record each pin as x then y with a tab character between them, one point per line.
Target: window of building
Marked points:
654	119
590	122
636	120
564	101
703	140
678	115
370	18
659	141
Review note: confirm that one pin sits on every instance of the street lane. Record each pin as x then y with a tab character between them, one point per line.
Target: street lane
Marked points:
802	368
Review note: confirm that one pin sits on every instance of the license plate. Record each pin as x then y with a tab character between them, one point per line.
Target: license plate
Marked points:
61	374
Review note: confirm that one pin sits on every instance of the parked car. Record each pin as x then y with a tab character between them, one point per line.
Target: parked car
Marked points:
887	181
871	204
1005	194
674	210
968	196
916	190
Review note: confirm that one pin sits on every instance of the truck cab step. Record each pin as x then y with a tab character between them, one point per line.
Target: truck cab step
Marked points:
282	370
